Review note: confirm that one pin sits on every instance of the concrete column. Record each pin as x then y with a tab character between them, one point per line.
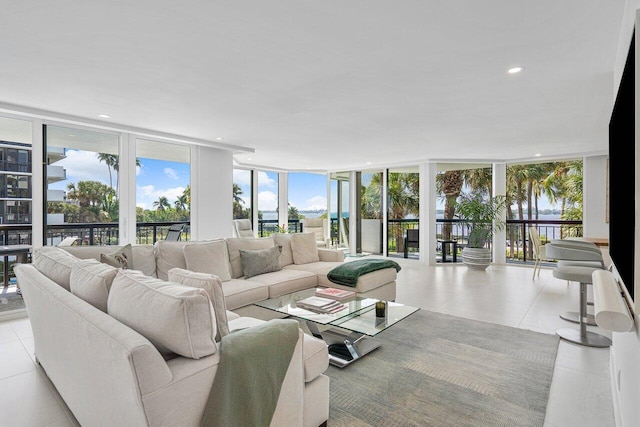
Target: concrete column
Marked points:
427	220
127	189
499	245
283	198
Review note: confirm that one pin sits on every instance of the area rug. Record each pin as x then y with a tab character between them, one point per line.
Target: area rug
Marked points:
10	301
438	370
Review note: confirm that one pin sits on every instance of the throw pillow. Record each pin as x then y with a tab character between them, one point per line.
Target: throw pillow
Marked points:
261	261
168	256
213	287
175	318
122	258
304	248
91	281
234	244
284	240
208	257
55	263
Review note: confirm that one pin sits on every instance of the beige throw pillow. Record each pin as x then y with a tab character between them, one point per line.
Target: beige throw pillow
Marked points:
304	248
122	258
208	257
284	240
213	287
169	255
91	281
175	318
55	263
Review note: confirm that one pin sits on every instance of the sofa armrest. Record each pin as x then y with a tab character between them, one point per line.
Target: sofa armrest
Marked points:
331	255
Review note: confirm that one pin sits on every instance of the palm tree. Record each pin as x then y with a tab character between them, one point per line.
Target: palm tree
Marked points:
111	160
162	204
181	202
449	183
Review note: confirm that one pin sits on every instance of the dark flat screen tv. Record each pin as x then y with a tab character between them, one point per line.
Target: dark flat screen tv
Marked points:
622	176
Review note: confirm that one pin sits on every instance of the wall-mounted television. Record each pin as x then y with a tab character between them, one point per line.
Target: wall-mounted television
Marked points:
622	176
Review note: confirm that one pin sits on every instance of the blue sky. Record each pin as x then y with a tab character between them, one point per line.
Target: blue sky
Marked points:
154	178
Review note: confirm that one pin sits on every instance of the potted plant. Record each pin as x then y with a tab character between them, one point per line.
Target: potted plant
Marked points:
483	216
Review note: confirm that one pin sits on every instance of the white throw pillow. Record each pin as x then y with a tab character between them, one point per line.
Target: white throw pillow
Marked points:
284	240
55	263
304	248
235	244
168	256
213	287
208	257
175	318
91	281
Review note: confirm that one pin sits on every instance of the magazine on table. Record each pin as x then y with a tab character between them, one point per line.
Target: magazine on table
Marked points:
322	305
335	294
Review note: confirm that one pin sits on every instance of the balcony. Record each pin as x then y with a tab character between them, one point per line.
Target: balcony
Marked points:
56	195
55	154
56	173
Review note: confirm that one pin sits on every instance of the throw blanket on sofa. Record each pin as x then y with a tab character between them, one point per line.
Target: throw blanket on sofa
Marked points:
347	274
253	364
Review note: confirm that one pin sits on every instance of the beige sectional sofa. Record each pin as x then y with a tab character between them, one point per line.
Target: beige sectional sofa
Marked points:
101	351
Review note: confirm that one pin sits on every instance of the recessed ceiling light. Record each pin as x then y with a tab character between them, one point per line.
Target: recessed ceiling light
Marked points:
368	163
515	70
104	116
248	158
537	154
218	139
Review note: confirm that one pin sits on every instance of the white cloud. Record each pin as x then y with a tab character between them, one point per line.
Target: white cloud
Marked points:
242	177
171	173
147	194
267	200
315	203
85	166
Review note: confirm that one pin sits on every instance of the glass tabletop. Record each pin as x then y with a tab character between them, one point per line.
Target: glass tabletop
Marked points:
359	314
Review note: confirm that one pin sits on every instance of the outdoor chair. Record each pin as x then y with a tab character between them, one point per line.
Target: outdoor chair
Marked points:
411	239
318	226
243	228
174	233
69	241
539	250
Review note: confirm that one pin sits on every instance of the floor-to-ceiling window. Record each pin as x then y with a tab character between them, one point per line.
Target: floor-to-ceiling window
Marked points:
242	193
307	195
15	189
372	211
267	202
81	195
163	191
403	206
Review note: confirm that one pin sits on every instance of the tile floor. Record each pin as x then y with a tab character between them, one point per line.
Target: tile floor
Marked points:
580	392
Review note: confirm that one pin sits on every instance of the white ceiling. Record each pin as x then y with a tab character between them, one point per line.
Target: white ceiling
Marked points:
327	85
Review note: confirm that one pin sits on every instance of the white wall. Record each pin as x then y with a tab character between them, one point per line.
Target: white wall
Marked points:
595	197
625	350
211	193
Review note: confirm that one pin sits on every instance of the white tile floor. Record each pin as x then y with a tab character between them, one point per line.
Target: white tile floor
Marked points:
580	392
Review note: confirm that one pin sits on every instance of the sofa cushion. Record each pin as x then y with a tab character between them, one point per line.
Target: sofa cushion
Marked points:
168	256
55	263
120	258
365	283
144	257
304	248
260	261
213	287
234	244
175	318
284	240
240	292
286	281
208	257
91	281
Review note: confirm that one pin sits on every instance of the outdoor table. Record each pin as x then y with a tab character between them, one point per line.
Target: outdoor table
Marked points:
21	253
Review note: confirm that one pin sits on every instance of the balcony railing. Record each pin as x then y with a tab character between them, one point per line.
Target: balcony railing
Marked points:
518	247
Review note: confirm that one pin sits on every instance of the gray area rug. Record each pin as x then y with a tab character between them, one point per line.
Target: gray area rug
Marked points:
10	301
439	370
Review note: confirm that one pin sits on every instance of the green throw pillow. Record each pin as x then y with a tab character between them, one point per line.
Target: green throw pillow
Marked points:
260	261
122	258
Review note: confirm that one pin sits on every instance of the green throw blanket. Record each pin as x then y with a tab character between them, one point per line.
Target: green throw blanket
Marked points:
347	274
253	364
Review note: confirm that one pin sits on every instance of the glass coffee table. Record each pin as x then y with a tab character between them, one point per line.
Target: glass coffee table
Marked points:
347	332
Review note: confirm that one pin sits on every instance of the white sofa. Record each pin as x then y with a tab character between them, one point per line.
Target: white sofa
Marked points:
108	374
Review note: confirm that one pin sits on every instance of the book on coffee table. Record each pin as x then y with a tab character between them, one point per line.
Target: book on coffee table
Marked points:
322	305
335	294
